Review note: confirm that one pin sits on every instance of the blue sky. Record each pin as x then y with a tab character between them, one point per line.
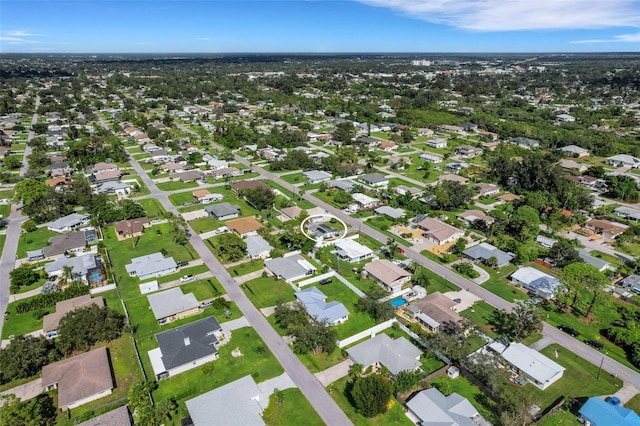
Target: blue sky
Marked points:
215	26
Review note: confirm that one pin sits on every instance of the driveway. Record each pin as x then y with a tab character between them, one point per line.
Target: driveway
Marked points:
196	214
26	391
334	373
467	299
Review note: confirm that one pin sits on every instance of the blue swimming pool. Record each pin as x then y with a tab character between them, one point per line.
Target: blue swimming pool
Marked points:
396	303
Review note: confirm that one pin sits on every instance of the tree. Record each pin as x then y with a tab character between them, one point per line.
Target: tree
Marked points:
29	226
405	380
290	315
580	277
459	246
451	341
515	408
392	248
524	223
451	195
344	132
12	162
623	188
38	411
23	276
377	309
25	356
421	278
523	320
229	247
82	328
29	190
315	337
371	394
563	253
260	198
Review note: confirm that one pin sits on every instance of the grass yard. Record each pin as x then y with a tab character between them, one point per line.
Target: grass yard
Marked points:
256	360
634	403
294	178
439	283
265	292
126	371
293	410
181	198
246	267
486	406
382	224
560	418
7	193
394	416
5	210
33	241
481	313
18	324
176	185
2	240
205	224
499	285
152	207
580	379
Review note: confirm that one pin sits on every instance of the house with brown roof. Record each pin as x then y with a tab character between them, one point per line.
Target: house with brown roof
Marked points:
487	189
248	184
433	311
388	275
453	178
226	172
58	182
51	322
189	176
79	379
508	197
104	167
470	216
203	196
245	226
174	167
289	213
105	176
439	232
606	228
387	146
131	227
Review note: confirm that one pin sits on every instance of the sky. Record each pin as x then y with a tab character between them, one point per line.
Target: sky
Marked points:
315	26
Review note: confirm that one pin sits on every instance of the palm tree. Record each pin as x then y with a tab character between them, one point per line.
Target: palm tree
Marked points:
67	273
413	267
392	248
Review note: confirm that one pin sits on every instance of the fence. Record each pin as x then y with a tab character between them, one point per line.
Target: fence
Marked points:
316	279
366	333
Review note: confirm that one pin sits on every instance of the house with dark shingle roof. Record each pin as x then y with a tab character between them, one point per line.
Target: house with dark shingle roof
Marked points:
223	211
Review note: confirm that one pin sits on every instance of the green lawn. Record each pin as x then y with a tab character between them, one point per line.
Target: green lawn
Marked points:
175	185
265	292
2	240
293	410
18	324
246	267
34	241
382	224
126	371
5	210
256	360
294	178
481	313
203	289
634	403
7	193
303	204
613	260
205	224
152	207
394	416
499	285
181	198
580	379
560	418
486	406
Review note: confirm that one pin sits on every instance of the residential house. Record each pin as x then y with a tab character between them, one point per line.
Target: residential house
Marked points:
606	228
131	227
58	169
86	268
469	127
575	151
223	211
470	216
486	189
390	276
452	178
598	412
290	268
189	176
387	146
467	151
171	305
508	197
437	143
430	407
456	167
374	180
215	164
59	182
537	282
404	190
568	164
121	189
627	213
226	172
344	184
624	160
248	184
151	266
118	417
69	243
161	156
525	142
597	263
565	118
316	176
321	230
236	403
391	212
79	379
545	242
352	251
203	196
539	370
175	167
431	158
258	247
186	347
245	226
314	301
105	176
396	355
433	311
289	213
365	202
439	232
50	322
484	251
69	222
367	140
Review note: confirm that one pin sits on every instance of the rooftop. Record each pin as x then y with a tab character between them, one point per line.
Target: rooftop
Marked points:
171	302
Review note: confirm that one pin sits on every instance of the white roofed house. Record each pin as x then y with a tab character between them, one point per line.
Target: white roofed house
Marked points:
314	301
316	176
374	179
393	213
290	268
69	222
86	268
258	247
352	251
172	304
624	160
364	201
470	216
575	151
430	407
151	266
627	213
388	275
537	282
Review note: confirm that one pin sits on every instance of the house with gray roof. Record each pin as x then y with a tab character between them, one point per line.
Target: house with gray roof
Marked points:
624	160
118	417
630	281
627	213
223	211
393	213
258	247
173	304
86	268
574	150
316	176
545	242
151	266
69	222
314	301
344	184
234	404
71	242
525	142
484	251
599	264
374	179
395	354
430	407
186	347
119	188
290	268
537	282
321	230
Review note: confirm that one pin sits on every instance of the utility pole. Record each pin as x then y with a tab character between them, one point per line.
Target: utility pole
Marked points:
600	368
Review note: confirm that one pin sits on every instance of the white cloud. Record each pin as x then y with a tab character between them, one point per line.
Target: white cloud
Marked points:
623	38
513	15
17	37
19	33
202	38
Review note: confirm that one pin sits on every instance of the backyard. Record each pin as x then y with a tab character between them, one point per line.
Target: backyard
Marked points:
294	409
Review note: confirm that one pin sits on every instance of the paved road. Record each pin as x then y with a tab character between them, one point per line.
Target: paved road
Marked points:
308	384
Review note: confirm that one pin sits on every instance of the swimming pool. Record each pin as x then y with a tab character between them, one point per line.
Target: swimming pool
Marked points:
396	303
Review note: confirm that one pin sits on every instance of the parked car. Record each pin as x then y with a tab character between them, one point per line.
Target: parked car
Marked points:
182	263
613	400
221	230
569	330
325	281
594	344
185	278
457	300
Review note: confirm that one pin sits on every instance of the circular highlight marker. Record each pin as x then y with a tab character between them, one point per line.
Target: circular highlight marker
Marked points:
323	215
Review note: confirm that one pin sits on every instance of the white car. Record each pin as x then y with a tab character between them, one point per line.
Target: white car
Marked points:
185	278
221	230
